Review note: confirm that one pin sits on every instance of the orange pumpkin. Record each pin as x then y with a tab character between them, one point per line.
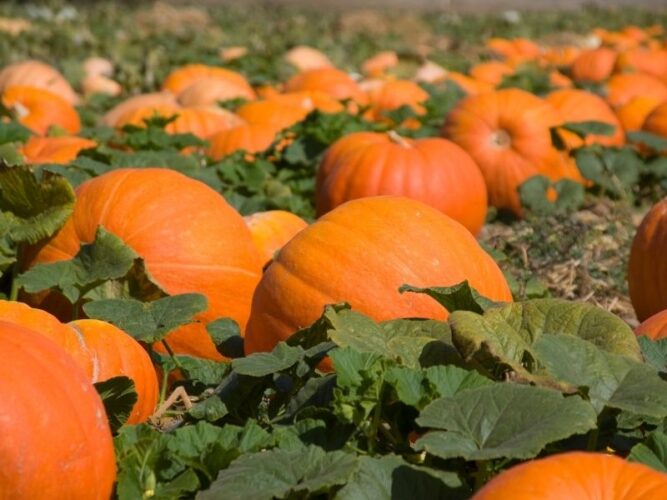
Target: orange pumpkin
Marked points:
633	113
491	72
434	171
191	240
56	441
380	63
647	268
182	78
517	49
579	106
654	327
208	91
469	85
558	80
624	87
39	109
273	114
59	150
249	137
306	58
331	81
656	121
391	95
507	134
576	475
271	230
114	353
37	74
593	65
98	84
362	252
310	100
641	60
156	99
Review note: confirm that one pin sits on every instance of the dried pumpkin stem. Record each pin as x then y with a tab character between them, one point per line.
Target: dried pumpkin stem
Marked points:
398	139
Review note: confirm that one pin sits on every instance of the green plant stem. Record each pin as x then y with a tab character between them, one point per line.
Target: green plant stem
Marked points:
375	423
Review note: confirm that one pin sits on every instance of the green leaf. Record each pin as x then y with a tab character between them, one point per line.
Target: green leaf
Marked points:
278	473
408	383
226	335
206	371
533	195
13	132
615	170
613	380
652	452
392	478
211	409
265	363
106	258
460	297
33	207
119	397
585	128
148	321
653	141
502	420
654	351
450	380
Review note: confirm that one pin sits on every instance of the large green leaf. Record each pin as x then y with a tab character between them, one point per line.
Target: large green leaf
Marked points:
502	420
106	258
652	452
278	473
460	297
654	351
264	363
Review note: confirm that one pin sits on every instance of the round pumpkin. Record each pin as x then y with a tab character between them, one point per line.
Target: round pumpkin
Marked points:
112	117
647	267
271	230
249	137
391	95
209	91
517	49
378	64
656	121
310	100
593	65
56	441
633	113
576	475
114	353
182	78
191	240
40	109
642	60
331	81
626	86
507	134
579	106
654	327
361	253
491	72
272	113
433	170
37	74
59	150
305	58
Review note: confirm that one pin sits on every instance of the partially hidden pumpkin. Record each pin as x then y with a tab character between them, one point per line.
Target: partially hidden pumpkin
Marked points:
56	441
654	327
624	87
331	81
270	231
40	109
633	113
361	253
432	170
59	150
656	121
249	137
594	65
181	78
37	74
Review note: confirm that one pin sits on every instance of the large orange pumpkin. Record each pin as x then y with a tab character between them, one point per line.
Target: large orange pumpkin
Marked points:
331	81
40	109
56	441
435	171
37	74
59	150
633	113
185	76
507	134
361	253
189	237
647	268
249	137
593	65
576	475
114	353
624	87
580	106
272	229
654	327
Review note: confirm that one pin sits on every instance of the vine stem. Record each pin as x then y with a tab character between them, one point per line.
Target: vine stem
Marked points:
375	424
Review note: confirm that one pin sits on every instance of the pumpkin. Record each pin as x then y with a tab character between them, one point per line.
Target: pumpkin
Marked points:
518	49
579	106
249	137
97	66
391	95
331	81
378	64
59	150
593	65
208	91
647	267
114	353
306	58
271	230
310	100
560	56
232	53
558	80
576	475
633	113
97	84
39	109
656	121
180	79
491	72
433	170
654	327
624	87
191	240
468	85
641	60
507	134
361	253
37	74
273	114
48	325
430	72
111	118
56	441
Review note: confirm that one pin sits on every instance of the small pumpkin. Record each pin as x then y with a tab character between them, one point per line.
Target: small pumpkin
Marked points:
331	81
624	87
594	65
305	58
40	109
378	64
34	73
362	252
56	441
633	113
656	121
181	78
58	150
491	72
517	49
112	117
576	475
393	94
209	91
249	137
274	114
647	267
432	170
271	230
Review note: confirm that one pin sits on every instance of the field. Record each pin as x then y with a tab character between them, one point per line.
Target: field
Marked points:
201	290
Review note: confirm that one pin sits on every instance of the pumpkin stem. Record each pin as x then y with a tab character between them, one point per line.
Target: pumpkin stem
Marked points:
501	139
396	138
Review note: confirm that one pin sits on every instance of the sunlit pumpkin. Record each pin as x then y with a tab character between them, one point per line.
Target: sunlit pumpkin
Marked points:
391	95
59	150
156	99
656	121
633	113
274	114
491	72
331	81
249	137
624	87
181	78
37	74
593	65
39	109
272	229
306	58
209	91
